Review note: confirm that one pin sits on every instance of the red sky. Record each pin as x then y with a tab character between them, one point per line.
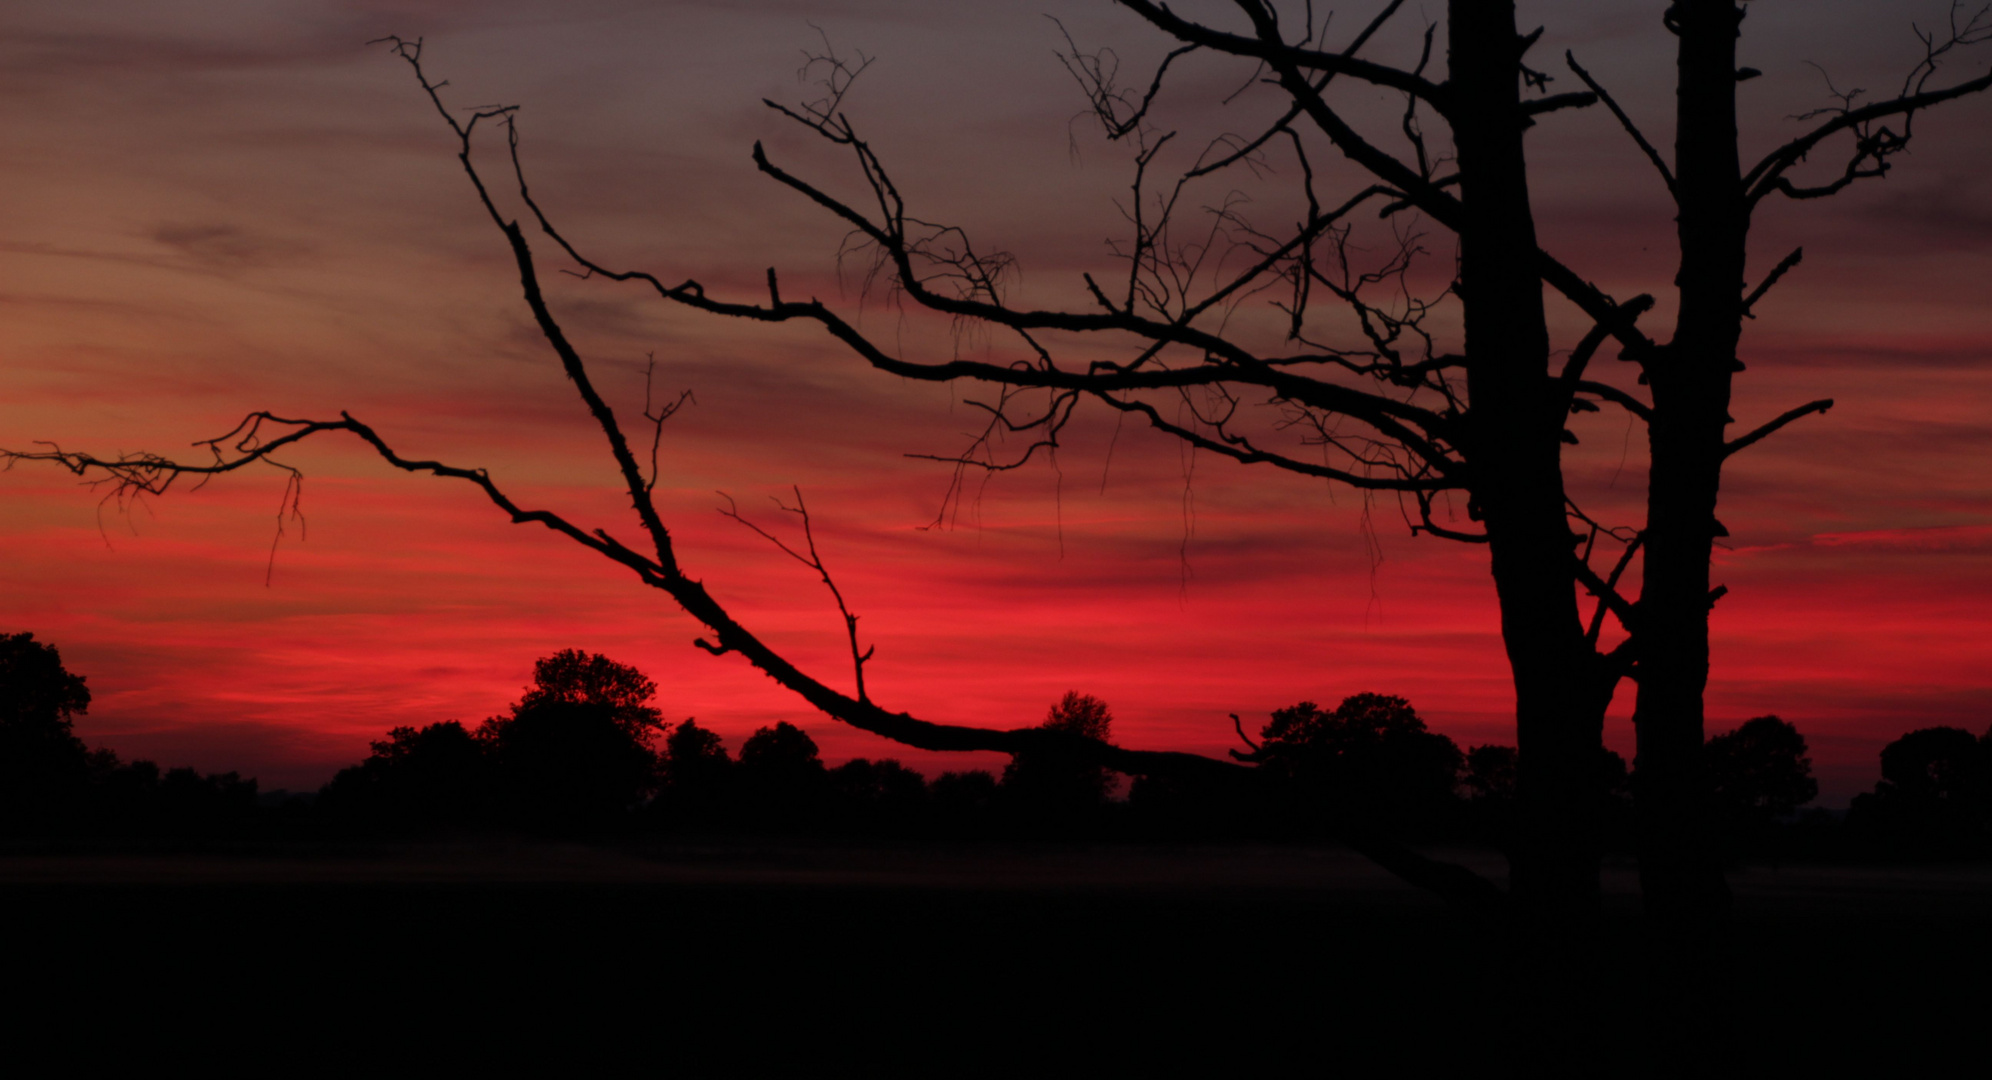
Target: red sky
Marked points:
219	207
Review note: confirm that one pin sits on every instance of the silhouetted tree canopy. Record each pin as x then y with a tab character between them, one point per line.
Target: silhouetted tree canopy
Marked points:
51	782
964	803
137	799
696	776
1052	781
1935	793
124	792
36	691
1489	774
1488	787
782	750
781	774
1759	771
438	773
193	802
883	785
1940	764
1080	714
963	796
880	796
575	753
572	677
575	749
44	767
694	757
1371	757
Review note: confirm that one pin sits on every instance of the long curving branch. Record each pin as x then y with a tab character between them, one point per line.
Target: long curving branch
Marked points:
1873	146
263	434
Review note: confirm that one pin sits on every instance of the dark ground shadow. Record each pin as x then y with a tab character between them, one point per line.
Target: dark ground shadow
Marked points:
934	960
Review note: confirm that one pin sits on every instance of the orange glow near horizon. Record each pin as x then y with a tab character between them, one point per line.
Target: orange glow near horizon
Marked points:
212	213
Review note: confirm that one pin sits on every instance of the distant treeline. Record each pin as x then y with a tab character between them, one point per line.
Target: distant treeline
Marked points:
586	752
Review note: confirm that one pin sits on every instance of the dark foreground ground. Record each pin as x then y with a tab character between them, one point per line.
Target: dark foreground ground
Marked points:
935	960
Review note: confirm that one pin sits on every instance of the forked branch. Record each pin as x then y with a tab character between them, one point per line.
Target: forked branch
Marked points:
814	561
1875	143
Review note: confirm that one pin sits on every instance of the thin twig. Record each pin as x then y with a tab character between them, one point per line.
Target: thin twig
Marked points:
814	561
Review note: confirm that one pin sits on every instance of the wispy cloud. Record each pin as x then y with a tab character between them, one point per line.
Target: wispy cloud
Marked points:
226	247
1936	538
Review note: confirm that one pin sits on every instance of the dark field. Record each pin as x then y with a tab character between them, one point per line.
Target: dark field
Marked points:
944	959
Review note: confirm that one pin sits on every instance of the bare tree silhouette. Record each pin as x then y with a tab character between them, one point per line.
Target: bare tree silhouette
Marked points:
1475	425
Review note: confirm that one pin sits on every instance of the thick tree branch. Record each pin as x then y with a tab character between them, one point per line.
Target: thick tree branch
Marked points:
152	473
1426	524
1768	175
1783	267
1745	441
1587	348
1620	319
1616	396
1625	558
1607	593
1555	102
1632	129
1278	53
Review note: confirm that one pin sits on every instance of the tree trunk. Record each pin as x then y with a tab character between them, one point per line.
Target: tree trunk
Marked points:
1686	895
1517	484
1684	888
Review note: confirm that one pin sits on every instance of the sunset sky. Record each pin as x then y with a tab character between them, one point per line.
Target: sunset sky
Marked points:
216	207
